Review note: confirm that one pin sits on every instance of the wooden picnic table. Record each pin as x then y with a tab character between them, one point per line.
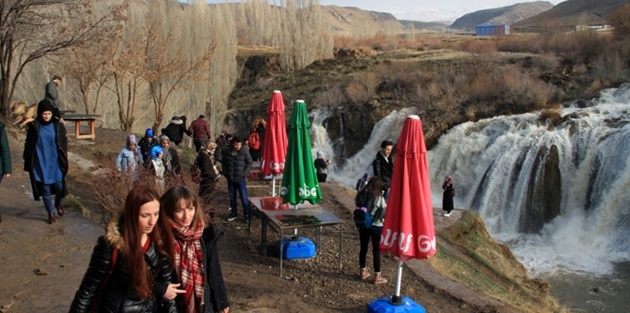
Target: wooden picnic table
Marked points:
78	118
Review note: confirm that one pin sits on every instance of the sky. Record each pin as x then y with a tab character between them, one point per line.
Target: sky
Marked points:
427	10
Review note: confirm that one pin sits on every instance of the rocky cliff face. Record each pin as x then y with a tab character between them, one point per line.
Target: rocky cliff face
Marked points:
504	15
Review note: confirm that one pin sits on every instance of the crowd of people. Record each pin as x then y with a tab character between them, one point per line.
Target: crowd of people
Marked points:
161	251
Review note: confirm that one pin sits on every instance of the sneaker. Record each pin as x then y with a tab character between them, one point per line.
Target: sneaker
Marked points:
447	214
231	218
217	177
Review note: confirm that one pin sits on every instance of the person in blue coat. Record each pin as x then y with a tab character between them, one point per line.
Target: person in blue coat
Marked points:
46	159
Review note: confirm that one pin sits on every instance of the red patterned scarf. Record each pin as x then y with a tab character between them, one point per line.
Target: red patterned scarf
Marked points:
188	264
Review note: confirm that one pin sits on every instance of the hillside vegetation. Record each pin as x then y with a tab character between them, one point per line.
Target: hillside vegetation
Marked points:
503	15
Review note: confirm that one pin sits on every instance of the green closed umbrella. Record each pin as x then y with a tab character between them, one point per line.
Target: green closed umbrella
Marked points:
299	181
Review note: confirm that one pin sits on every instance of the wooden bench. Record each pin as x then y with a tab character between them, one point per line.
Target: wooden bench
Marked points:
78	118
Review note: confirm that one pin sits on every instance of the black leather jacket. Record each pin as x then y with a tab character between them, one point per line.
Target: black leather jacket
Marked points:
117	295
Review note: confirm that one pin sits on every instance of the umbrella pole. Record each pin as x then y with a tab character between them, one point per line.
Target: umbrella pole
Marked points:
273	186
397	299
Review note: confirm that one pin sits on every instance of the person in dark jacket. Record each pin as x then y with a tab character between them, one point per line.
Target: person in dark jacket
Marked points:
209	174
52	94
145	144
383	165
46	159
199	130
196	262
130	268
321	166
5	156
170	158
236	163
447	195
176	129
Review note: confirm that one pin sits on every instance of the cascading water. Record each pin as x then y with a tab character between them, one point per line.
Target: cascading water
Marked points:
353	168
501	165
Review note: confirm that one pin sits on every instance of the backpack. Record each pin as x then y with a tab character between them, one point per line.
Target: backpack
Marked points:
254	141
362	218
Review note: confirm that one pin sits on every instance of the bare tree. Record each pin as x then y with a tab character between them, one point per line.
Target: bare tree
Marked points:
166	65
33	29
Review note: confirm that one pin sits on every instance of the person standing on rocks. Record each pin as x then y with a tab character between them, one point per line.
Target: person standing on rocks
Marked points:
5	156
321	166
447	195
46	159
130	268
196	261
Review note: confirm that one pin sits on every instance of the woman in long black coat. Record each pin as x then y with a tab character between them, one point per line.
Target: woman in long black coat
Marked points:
46	159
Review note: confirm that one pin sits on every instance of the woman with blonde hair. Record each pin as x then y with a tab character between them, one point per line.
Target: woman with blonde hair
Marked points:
196	257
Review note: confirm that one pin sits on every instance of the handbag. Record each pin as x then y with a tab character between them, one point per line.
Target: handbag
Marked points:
97	299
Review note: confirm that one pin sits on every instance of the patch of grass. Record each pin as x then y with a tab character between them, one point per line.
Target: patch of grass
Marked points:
471	257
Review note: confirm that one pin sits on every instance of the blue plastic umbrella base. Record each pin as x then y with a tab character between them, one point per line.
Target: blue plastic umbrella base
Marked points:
385	305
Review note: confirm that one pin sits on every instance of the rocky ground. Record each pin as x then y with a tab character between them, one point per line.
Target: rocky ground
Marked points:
42	264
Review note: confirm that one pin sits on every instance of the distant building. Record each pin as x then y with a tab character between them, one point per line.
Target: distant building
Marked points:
593	27
492	30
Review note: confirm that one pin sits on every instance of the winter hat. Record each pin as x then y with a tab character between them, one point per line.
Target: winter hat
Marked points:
176	120
43	106
320	154
131	140
164	137
155	152
148	132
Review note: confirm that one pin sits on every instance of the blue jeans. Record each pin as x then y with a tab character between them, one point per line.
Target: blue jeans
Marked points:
241	187
46	190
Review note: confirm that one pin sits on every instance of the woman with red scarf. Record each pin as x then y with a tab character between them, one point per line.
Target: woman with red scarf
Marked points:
196	260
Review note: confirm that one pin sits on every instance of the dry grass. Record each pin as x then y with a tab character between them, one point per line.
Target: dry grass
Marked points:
471	257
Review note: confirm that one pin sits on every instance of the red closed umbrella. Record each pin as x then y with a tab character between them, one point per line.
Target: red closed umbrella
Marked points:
274	148
409	231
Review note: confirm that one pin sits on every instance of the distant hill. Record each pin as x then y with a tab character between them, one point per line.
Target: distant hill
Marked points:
354	22
571	13
504	15
425	26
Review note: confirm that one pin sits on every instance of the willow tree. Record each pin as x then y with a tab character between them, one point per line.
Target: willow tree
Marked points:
34	29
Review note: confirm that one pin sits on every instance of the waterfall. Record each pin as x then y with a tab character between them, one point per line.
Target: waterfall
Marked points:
347	173
497	168
556	193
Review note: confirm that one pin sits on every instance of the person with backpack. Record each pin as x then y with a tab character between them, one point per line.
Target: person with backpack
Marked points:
369	217
256	138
